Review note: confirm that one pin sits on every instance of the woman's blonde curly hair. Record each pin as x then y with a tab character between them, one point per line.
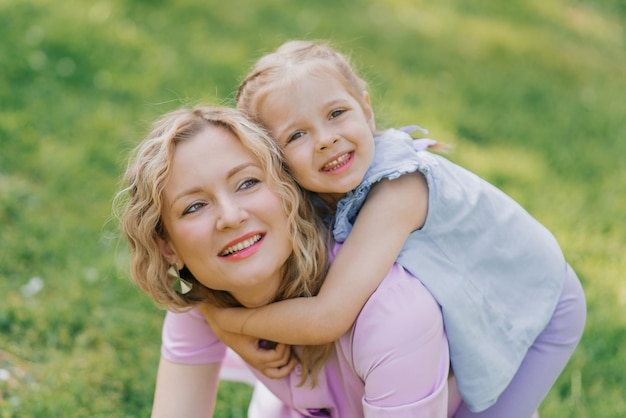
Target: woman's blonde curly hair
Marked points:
138	207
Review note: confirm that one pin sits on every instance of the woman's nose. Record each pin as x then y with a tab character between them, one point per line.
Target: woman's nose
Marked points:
231	215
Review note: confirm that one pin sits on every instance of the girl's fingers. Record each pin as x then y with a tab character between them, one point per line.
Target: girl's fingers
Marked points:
276	358
280	372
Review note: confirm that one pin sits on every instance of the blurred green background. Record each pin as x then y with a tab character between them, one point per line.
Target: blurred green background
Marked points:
531	93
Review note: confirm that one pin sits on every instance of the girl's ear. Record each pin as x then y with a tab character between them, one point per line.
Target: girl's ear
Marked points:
369	112
169	253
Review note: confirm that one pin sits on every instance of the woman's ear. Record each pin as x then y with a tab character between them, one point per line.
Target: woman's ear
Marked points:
169	253
368	111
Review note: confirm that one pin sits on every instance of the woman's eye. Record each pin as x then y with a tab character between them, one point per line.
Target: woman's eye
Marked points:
248	183
336	113
295	136
192	208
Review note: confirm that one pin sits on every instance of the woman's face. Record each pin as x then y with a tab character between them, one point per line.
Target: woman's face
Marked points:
222	220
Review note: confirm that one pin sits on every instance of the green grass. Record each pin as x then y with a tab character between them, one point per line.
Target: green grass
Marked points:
530	93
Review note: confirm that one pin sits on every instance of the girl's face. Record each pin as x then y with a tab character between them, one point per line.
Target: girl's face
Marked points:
325	133
223	222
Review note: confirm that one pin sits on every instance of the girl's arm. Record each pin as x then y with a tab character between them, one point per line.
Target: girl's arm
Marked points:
185	390
272	359
393	209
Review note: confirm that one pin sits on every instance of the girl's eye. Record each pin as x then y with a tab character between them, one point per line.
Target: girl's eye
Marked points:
192	208
295	136
248	183
336	113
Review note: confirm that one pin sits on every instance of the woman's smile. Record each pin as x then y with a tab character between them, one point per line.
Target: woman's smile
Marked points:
243	247
223	220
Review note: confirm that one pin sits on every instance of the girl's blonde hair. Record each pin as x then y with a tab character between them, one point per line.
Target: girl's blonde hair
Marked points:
139	205
290	60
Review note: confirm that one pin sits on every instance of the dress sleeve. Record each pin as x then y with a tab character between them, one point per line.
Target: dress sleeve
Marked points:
395	154
187	338
400	351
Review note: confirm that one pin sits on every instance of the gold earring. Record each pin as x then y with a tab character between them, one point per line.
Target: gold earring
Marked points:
179	284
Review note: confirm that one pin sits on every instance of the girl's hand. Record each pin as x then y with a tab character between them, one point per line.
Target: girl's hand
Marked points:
271	359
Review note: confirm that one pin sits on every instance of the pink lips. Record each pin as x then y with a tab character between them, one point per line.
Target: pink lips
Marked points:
339	164
243	247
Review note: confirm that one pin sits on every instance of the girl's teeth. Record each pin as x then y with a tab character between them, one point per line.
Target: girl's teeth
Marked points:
336	163
241	245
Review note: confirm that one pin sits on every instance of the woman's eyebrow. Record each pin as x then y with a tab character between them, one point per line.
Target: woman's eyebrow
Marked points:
183	194
239	168
233	171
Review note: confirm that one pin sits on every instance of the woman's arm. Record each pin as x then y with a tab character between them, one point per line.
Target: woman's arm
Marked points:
185	390
393	209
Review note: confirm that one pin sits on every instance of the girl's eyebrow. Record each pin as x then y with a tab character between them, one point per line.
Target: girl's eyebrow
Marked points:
334	102
288	127
285	127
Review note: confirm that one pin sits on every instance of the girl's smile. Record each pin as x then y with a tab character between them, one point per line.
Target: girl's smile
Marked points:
339	164
326	133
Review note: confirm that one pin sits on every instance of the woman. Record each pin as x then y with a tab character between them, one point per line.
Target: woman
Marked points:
209	199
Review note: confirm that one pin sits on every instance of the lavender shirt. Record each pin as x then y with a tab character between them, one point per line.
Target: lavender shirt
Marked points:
394	360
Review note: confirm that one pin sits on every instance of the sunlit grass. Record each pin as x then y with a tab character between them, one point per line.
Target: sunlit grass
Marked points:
529	93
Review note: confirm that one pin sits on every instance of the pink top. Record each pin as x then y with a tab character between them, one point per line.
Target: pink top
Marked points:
394	361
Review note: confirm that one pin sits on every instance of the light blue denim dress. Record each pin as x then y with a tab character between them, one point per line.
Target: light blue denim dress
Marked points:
496	271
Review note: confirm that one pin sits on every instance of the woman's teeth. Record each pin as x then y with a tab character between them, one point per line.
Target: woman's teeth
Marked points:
241	245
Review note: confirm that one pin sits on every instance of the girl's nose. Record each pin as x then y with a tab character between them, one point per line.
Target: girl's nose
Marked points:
326	140
231	215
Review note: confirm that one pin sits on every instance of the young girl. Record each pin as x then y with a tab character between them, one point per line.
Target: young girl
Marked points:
513	309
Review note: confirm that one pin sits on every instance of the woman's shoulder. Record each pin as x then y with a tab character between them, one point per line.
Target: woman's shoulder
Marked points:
402	298
188	338
401	317
399	304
